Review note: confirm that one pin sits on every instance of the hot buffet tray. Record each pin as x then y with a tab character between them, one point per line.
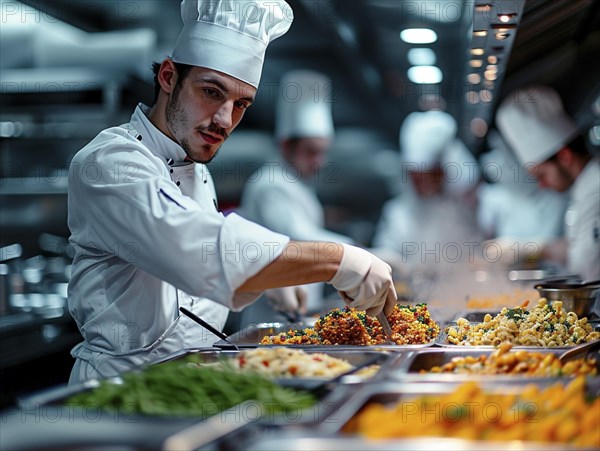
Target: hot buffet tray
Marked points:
251	336
409	369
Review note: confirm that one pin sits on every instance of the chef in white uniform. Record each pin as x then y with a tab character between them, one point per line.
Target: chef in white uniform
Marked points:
280	195
512	208
430	223
548	144
143	215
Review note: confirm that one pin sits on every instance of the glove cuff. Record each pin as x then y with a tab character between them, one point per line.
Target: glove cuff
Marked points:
354	267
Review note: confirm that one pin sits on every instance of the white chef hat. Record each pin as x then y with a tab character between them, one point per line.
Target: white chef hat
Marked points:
424	136
231	36
534	123
304	106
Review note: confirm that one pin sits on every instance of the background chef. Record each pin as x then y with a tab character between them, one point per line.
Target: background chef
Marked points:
280	195
148	238
432	212
547	142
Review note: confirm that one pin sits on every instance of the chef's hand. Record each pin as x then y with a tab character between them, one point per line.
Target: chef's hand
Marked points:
365	282
400	267
288	299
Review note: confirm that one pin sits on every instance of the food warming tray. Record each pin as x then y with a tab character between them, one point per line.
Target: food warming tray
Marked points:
390	393
408	369
251	336
442	340
355	357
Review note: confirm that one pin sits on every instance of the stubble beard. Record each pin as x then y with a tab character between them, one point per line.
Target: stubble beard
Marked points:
177	123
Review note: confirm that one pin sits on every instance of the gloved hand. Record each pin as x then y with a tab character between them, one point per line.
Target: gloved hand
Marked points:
365	282
288	299
398	262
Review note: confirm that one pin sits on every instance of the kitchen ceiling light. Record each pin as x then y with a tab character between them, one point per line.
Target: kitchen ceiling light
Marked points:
418	36
501	36
474	78
475	63
477	51
421	57
492	59
480	33
486	95
472	97
425	74
505	18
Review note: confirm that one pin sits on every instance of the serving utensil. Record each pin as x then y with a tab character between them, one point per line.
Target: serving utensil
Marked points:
207	326
579	351
385	325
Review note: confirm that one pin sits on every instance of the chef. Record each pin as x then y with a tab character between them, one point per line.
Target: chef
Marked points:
430	223
280	195
512	208
143	215
547	142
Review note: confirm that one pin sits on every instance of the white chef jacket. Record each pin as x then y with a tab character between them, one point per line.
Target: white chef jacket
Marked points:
276	197
527	214
427	232
148	238
582	222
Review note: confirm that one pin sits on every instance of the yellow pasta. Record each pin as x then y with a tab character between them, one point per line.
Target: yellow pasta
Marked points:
544	325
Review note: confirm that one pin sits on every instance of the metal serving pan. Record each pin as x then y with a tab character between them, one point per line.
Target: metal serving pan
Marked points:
355	357
408	369
251	336
442	340
391	393
296	441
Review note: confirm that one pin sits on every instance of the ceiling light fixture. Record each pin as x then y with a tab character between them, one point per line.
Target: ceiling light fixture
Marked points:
475	63
486	95
483	8
421	57
425	74
492	59
501	36
472	97
505	18
477	51
480	33
418	36
474	78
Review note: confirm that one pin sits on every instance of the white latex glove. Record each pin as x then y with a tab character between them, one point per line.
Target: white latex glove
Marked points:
288	299
396	260
365	282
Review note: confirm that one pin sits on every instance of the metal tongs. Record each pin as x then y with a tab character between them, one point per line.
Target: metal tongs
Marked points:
207	326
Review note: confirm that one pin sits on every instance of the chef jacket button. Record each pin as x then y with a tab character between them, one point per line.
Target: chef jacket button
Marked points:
171	171
178	183
139	137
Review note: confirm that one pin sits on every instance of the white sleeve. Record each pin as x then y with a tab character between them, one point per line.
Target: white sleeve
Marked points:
141	216
584	247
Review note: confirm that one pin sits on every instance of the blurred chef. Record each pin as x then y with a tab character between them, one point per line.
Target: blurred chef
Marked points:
430	223
547	142
279	195
143	213
512	208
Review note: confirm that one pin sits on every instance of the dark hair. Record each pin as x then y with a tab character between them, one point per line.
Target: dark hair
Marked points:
182	71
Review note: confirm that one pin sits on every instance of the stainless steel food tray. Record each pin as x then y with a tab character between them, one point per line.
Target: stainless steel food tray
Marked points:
355	357
251	336
390	393
296	441
442	340
408	369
